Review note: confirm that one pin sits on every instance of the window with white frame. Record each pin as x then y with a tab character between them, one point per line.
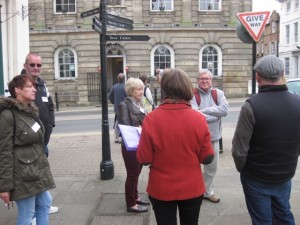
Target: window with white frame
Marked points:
296	31
65	63
211	59
114	2
65	6
296	5
296	58
273	48
287	34
210	5
162	57
287	66
162	5
273	27
288	6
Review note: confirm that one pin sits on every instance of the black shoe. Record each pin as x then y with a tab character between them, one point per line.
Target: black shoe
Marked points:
139	209
221	151
142	202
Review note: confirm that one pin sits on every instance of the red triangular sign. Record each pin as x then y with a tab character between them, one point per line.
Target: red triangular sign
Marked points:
254	22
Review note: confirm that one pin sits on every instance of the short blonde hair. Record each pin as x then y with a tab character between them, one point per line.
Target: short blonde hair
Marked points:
131	84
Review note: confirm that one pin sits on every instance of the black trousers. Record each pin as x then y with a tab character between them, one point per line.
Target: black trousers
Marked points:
166	211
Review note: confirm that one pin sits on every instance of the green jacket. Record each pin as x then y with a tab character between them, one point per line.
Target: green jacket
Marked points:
24	168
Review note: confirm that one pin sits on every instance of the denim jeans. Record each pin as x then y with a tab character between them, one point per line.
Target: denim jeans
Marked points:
268	201
38	204
166	211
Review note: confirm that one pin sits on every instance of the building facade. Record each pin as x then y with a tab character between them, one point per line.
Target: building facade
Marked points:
269	42
15	38
191	34
289	46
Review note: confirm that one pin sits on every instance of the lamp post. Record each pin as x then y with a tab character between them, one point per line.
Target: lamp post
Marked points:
106	165
1	58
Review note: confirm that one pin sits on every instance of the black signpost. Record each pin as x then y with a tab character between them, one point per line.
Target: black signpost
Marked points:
99	25
127	38
90	13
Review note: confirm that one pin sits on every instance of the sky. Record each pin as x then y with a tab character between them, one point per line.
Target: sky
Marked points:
265	5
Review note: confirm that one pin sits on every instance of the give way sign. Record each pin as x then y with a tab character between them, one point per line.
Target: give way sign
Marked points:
254	22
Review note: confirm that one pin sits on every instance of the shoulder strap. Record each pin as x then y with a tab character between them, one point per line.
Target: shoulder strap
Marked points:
214	95
145	89
197	96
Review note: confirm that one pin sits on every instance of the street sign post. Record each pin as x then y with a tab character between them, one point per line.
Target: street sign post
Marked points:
127	38
254	22
90	13
97	25
119	24
118	19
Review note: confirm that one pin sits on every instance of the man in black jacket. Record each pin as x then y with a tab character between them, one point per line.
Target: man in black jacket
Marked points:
266	145
43	100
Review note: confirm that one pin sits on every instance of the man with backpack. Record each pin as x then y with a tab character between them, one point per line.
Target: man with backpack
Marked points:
212	103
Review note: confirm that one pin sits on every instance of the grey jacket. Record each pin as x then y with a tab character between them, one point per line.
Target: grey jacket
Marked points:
211	111
24	168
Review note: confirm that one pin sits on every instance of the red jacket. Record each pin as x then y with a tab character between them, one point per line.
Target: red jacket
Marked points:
175	139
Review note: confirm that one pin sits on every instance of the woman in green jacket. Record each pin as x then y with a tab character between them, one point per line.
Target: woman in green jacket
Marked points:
25	175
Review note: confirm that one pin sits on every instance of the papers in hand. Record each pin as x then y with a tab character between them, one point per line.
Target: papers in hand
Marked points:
131	136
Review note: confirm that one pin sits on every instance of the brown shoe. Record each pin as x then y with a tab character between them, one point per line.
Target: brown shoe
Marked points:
213	199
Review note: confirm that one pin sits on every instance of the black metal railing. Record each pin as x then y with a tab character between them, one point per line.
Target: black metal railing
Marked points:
94	87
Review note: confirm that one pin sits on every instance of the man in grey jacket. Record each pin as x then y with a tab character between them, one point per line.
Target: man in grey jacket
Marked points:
213	111
117	95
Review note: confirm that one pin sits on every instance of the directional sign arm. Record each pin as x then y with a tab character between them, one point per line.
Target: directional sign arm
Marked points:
127	38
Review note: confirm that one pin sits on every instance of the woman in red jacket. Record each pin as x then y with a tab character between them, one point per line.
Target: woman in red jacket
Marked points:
175	140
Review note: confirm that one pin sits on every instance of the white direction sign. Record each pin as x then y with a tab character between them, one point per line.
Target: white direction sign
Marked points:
254	22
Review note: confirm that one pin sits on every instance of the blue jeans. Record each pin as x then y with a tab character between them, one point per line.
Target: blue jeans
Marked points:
166	211
38	204
268	201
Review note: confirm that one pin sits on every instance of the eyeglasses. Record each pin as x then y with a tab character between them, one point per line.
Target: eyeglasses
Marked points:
33	65
204	79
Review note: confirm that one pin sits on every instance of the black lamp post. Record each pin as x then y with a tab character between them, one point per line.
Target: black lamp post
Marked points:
106	165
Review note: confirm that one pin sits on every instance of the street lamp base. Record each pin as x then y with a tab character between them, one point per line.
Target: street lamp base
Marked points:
106	170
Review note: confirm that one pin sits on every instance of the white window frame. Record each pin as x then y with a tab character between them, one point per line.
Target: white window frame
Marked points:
296	5
288	6
219	61
205	4
57	67
273	27
287	66
287	34
172	56
66	12
161	5
296	32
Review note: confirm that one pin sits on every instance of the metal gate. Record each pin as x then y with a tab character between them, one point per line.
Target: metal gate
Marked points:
94	87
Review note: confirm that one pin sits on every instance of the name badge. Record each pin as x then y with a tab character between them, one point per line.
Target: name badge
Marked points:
35	127
45	99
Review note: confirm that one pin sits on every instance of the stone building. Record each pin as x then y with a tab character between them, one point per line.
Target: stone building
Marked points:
269	42
191	34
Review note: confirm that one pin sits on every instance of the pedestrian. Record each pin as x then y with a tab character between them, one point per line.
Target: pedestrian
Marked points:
175	178
213	108
43	100
147	98
116	95
131	112
25	175
266	145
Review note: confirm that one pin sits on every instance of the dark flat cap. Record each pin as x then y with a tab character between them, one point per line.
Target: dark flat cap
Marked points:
270	67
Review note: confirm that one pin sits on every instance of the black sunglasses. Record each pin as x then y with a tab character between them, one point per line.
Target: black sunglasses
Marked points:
33	65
